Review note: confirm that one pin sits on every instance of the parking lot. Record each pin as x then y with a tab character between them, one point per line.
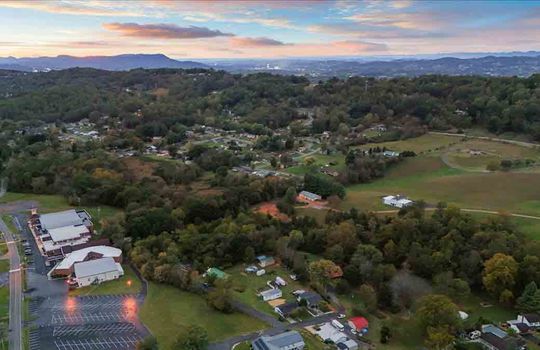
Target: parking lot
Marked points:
60	322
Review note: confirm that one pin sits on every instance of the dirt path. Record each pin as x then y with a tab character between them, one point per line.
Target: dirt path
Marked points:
487	138
468	210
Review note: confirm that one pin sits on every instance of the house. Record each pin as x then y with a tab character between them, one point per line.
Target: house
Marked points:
265	261
494	338
291	340
284	310
216	273
330	334
280	281
359	324
520	328
307	197
532	319
55	231
391	154
66	267
271	294
349	344
96	271
397	201
312	299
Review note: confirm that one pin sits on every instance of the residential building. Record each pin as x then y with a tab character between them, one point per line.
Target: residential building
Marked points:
55	231
328	333
494	338
397	201
359	324
312	299
271	294
265	261
96	271
531	319
391	154
307	197
284	310
348	344
291	340
66	267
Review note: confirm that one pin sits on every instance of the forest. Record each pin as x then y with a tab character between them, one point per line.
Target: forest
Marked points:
154	101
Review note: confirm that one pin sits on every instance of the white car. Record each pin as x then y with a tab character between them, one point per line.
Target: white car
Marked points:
341	316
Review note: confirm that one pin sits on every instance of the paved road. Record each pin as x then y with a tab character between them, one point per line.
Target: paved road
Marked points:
15	290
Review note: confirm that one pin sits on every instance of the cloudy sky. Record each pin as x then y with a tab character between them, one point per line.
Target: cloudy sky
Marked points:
262	29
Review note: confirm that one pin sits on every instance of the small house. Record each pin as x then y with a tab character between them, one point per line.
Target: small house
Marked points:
391	154
216	273
531	319
348	344
397	201
359	324
280	281
308	197
312	299
329	334
284	310
265	261
494	338
271	294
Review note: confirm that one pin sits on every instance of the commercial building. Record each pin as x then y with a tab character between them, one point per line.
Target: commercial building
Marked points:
96	271
55	231
66	267
306	196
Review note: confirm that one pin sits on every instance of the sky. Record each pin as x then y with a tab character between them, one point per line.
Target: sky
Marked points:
265	29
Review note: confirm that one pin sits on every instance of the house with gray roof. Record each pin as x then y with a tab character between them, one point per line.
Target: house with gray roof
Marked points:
291	340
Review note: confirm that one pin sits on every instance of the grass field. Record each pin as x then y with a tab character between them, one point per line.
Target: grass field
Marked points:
422	144
167	310
127	284
337	160
250	284
4	314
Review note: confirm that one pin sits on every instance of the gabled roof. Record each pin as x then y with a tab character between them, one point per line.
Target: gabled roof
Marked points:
96	267
80	255
310	195
532	317
65	233
287	308
311	297
359	322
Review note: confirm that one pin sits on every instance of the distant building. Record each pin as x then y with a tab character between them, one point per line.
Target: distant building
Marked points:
494	338
291	340
330	334
271	294
96	271
284	310
265	261
531	319
348	344
397	201
216	273
312	299
391	154
55	231
306	196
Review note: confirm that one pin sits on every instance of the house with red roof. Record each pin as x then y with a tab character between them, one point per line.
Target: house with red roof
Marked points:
359	324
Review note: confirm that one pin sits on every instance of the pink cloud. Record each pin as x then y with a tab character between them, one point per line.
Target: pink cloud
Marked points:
163	31
253	42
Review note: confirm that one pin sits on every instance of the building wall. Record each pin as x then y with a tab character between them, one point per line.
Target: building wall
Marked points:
108	276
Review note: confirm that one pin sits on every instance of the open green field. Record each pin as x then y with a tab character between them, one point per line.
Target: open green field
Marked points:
334	161
50	203
247	285
167	310
422	144
127	284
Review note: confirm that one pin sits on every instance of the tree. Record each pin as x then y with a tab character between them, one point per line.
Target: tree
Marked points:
439	338
500	274
220	297
385	334
320	272
290	195
249	255
529	301
193	338
368	296
436	311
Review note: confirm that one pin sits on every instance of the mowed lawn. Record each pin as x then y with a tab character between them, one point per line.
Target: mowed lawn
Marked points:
127	284
498	191
167	310
422	144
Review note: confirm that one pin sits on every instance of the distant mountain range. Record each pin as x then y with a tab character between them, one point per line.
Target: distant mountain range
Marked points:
503	64
120	62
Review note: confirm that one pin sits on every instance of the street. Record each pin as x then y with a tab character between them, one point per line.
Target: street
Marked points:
15	289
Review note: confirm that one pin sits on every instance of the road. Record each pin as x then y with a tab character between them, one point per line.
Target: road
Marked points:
468	210
487	138
15	290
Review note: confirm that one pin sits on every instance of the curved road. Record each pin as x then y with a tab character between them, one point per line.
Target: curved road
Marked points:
15	290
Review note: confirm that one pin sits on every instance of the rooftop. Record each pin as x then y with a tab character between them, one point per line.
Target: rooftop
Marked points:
96	267
66	233
277	342
60	219
81	255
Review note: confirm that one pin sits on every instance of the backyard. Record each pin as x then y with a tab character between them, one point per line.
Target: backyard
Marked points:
167	310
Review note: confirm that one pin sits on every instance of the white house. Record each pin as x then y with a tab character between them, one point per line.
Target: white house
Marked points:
271	294
329	333
97	271
397	201
531	320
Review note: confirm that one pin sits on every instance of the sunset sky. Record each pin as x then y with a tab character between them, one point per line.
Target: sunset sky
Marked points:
253	29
